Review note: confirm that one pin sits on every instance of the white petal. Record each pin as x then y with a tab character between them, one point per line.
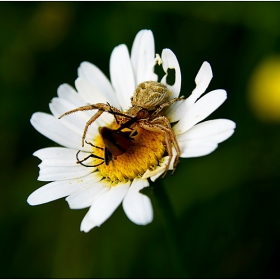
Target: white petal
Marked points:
163	165
68	93
137	206
143	57
52	128
75	121
197	148
89	93
218	138
104	206
169	61
59	156
92	74
60	105
153	178
217	130
122	75
202	80
87	224
200	110
56	190
203	138
92	95
154	174
55	173
85	196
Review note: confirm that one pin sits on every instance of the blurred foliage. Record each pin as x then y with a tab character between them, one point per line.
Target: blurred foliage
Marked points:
226	204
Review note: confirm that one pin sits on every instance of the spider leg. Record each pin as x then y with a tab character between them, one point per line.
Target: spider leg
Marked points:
166	104
165	122
162	125
89	122
116	112
99	106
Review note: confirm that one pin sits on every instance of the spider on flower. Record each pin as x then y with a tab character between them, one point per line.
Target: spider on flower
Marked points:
148	101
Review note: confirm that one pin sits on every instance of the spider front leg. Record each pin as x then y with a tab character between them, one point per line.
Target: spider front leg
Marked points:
161	124
101	107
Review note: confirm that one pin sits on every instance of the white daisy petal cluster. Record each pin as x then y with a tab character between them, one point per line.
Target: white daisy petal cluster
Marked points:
84	186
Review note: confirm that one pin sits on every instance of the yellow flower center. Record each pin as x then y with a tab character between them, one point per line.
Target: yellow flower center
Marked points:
146	150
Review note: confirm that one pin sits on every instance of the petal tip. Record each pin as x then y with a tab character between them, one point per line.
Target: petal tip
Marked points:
204	74
31	201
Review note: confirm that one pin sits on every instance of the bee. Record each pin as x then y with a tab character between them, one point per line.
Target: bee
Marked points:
148	101
116	142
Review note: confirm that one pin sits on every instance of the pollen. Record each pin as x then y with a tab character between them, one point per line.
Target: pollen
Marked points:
146	151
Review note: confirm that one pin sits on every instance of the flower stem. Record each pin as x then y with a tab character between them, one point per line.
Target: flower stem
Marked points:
171	230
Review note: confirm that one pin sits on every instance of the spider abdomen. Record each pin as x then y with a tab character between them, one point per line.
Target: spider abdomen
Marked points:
149	95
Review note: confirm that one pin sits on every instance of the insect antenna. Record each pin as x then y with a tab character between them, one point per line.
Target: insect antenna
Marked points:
91	155
89	143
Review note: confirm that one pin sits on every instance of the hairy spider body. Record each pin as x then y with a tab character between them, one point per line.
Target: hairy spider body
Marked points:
148	100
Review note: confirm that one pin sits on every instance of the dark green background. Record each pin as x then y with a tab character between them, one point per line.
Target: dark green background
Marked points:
226	204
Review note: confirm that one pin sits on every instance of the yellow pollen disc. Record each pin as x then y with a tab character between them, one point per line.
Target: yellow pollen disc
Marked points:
145	152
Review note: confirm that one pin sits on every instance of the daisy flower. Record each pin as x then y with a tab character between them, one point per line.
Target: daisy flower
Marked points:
103	187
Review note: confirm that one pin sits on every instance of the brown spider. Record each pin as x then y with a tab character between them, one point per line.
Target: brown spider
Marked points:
148	100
